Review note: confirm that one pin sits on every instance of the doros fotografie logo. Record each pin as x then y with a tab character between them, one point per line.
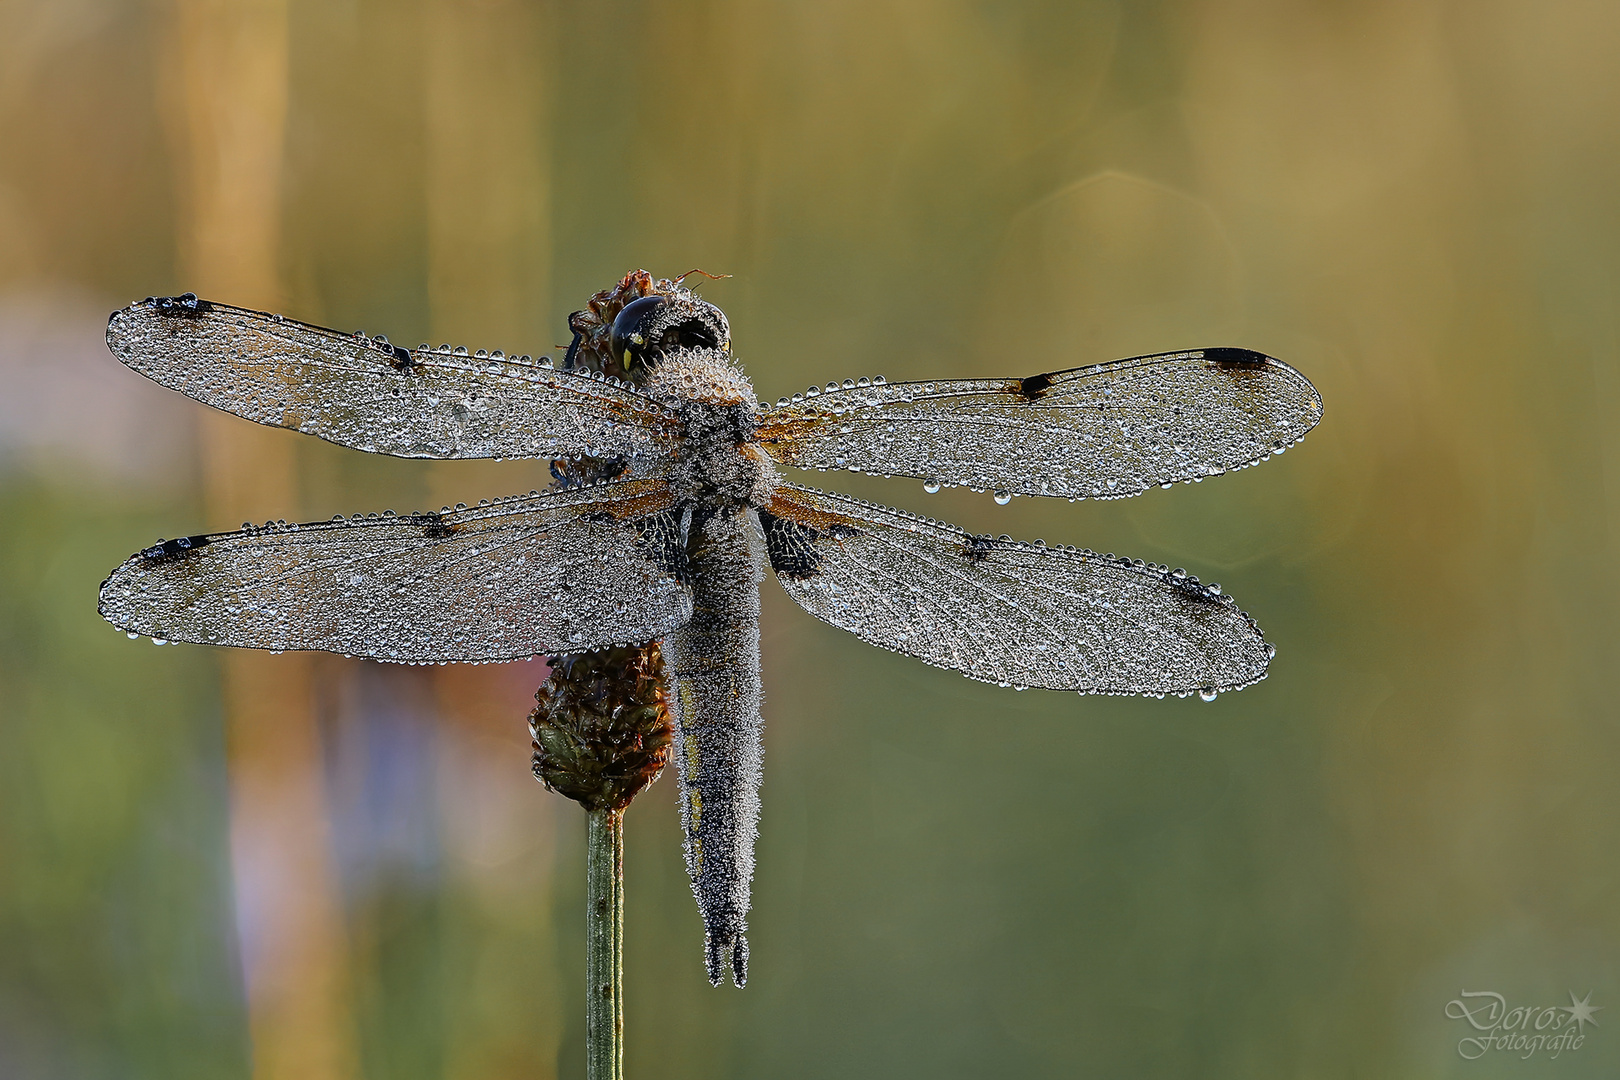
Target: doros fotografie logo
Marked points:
1524	1030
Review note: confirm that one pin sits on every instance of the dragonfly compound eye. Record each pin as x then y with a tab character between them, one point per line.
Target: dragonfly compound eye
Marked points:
648	327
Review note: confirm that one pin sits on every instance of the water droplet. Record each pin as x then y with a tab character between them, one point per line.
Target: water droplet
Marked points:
931	486
1208	693
1003	498
132	635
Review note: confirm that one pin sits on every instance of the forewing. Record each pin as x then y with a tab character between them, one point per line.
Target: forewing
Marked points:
1105	431
365	393
1007	612
560	572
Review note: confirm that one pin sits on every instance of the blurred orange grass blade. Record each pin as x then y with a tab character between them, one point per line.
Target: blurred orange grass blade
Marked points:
227	97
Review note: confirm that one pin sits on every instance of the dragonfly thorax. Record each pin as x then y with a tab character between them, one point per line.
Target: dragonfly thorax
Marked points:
720	462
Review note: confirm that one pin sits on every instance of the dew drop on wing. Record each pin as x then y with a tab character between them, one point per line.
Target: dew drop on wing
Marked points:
931	486
1209	693
1003	498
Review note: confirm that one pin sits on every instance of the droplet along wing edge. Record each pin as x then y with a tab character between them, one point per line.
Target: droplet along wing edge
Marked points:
415	581
1002	611
1063	434
364	393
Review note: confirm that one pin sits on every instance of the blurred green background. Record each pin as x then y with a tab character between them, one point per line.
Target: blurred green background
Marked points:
1413	202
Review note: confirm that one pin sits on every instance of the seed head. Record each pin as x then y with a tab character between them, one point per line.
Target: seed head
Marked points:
601	726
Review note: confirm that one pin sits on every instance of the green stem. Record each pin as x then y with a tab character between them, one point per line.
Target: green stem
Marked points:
604	945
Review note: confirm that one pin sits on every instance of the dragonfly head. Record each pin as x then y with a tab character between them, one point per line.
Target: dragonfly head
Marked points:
649	328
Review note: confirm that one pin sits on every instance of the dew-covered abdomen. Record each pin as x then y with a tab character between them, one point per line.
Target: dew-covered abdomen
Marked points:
720	473
713	678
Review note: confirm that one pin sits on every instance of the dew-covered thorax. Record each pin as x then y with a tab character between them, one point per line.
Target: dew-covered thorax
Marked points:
675	347
720	461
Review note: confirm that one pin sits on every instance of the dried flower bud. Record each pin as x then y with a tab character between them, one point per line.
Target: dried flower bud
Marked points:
602	728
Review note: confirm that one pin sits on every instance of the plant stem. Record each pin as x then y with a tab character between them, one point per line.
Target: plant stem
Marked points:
604	945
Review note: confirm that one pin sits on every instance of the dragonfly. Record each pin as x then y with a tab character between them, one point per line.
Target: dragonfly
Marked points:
671	505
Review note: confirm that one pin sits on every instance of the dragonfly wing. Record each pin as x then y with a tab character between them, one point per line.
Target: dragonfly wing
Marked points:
558	572
365	393
1105	431
1002	611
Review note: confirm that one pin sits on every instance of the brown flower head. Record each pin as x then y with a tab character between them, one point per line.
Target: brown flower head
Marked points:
601	725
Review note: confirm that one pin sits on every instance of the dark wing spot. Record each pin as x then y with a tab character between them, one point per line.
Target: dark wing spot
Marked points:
792	545
186	305
1229	359
172	548
1191	589
658	537
433	526
977	548
1034	387
402	358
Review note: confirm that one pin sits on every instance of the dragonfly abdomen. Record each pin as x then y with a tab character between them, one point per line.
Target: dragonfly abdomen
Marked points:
712	667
